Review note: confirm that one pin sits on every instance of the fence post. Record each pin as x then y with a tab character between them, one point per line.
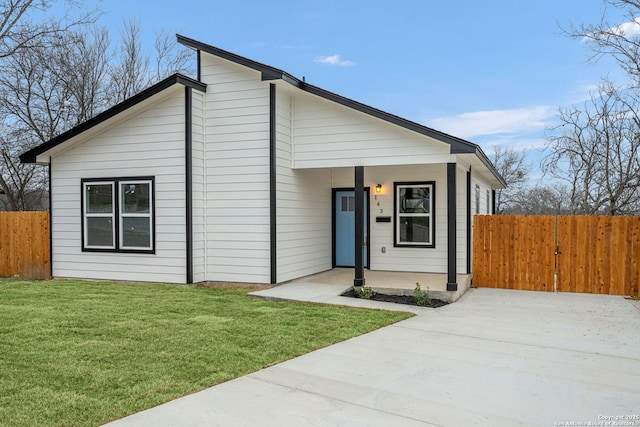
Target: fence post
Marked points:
555	258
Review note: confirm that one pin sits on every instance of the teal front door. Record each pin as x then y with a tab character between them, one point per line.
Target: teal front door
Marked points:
345	227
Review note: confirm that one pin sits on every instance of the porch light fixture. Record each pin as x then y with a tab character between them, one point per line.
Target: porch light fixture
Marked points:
379	188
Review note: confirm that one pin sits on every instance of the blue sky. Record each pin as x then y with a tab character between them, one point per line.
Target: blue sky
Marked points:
493	72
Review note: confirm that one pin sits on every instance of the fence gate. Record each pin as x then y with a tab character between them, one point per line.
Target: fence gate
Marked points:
589	254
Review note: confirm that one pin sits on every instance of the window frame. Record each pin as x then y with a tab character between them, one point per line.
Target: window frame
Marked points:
117	214
86	215
398	215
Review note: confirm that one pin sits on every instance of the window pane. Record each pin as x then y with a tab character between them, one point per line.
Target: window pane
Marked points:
414	199
415	229
136	232
135	197
99	198
348	203
99	231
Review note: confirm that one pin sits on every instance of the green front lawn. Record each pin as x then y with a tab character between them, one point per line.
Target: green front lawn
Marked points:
77	353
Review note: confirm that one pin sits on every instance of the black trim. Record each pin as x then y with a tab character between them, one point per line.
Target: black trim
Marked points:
396	220
116	217
493	202
50	221
469	221
272	184
198	65
266	70
452	284
458	145
367	195
333	227
188	161
358	279
31	155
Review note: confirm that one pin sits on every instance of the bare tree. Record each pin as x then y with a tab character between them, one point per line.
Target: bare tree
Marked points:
131	72
615	40
22	185
31	98
20	30
24	31
170	58
80	67
512	167
65	79
549	199
595	150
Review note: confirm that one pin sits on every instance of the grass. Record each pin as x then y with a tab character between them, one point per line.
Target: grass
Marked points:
78	353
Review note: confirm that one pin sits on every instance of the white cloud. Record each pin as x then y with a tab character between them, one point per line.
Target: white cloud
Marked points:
333	60
627	29
495	122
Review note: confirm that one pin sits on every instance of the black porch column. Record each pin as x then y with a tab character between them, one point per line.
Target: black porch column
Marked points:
452	285
359	211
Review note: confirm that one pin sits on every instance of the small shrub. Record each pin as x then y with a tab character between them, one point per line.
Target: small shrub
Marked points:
364	292
421	297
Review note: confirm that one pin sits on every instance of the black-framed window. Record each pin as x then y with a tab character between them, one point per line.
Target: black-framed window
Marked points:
414	211
118	214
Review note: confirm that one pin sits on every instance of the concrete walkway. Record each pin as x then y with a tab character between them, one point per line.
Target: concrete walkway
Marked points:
494	358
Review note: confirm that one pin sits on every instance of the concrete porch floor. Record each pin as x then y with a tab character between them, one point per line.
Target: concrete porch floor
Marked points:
326	288
394	282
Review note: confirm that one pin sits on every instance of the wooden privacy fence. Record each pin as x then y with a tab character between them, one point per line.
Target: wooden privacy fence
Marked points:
24	245
588	254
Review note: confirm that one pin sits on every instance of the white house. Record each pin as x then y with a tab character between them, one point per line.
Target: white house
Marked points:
249	174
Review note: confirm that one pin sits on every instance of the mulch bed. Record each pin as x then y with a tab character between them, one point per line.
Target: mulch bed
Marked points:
398	299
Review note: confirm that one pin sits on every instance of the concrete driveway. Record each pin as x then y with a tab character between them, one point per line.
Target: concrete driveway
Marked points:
494	358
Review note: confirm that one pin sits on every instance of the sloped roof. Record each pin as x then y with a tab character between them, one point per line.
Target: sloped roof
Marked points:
458	145
31	155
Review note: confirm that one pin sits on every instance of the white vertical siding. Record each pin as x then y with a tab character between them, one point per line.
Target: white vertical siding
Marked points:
331	135
237	172
150	143
303	207
199	187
